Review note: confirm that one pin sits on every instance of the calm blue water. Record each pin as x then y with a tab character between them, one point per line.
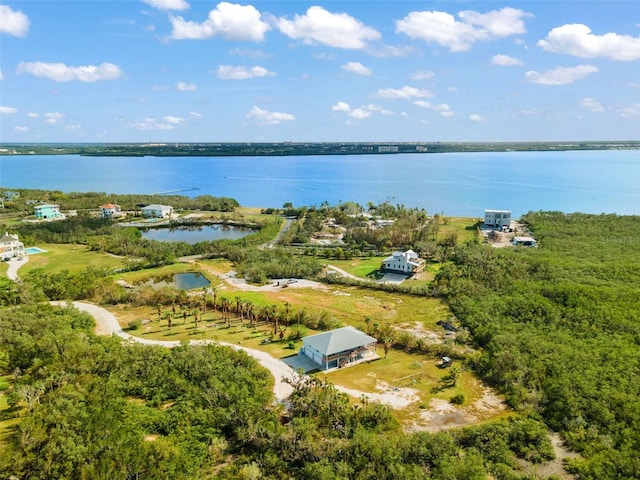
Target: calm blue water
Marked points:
193	235
183	281
461	184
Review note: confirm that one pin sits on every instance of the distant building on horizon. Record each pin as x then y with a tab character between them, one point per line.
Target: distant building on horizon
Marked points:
497	218
157	211
110	210
48	211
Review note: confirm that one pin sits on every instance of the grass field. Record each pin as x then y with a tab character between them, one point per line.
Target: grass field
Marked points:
73	258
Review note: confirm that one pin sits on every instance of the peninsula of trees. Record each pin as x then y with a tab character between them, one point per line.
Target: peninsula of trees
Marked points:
299	148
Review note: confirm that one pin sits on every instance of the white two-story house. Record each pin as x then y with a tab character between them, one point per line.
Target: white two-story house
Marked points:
405	262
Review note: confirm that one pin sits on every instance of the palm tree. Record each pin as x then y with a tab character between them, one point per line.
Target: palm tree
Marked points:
249	307
274	314
287	309
239	311
454	373
168	317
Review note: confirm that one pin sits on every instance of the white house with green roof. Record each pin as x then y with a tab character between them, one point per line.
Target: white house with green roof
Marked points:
340	347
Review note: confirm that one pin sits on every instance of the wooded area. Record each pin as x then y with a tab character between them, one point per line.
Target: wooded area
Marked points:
556	329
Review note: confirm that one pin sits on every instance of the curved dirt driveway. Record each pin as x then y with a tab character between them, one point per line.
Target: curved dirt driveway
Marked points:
107	324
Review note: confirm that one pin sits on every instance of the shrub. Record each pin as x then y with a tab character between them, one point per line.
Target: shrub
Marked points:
457	399
134	324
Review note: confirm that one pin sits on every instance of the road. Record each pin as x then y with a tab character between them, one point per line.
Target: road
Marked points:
107	324
14	265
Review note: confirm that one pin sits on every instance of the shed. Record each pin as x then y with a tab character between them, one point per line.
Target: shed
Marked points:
524	241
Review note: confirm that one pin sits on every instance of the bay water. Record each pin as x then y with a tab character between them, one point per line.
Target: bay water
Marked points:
455	184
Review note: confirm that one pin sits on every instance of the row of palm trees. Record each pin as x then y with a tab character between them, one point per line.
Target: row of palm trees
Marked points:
241	309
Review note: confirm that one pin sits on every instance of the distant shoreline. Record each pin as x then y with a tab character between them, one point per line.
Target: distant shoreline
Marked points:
298	149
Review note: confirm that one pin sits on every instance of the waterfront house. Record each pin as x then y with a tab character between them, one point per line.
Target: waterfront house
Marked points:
11	246
524	241
110	210
497	218
157	211
47	212
340	347
404	262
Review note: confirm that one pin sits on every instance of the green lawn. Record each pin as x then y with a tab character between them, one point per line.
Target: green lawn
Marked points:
73	258
360	267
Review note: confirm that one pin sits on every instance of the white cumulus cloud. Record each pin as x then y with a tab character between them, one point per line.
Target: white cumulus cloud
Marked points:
186	87
151	123
359	113
422	75
8	109
265	117
168	4
506	61
357	68
195	115
341	107
1	75
577	40
228	20
53	117
60	72
560	75
405	92
444	29
443	109
13	22
21	129
230	72
476	118
592	104
173	120
319	26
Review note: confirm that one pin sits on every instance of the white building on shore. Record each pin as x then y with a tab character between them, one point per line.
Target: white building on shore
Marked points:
497	219
157	211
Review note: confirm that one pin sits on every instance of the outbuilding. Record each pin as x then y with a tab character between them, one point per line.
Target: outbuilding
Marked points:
524	241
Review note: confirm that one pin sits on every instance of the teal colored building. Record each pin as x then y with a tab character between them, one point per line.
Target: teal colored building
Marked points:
47	212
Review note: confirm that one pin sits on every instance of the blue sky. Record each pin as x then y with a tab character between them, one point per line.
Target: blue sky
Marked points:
270	71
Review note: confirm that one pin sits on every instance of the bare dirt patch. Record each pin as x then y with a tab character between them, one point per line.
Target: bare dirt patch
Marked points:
396	398
443	415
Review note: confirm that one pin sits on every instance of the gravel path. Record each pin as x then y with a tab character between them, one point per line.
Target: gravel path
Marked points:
107	324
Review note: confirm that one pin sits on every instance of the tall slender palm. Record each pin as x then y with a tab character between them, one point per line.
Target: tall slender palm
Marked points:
287	310
239	311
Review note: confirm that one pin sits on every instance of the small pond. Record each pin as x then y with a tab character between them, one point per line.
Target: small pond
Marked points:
183	281
196	234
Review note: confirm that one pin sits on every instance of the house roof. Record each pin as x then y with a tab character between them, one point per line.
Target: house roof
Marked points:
109	205
7	237
155	206
339	340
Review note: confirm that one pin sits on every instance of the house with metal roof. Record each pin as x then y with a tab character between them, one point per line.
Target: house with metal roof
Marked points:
340	347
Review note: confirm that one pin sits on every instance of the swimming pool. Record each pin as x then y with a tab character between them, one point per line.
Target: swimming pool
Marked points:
33	250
